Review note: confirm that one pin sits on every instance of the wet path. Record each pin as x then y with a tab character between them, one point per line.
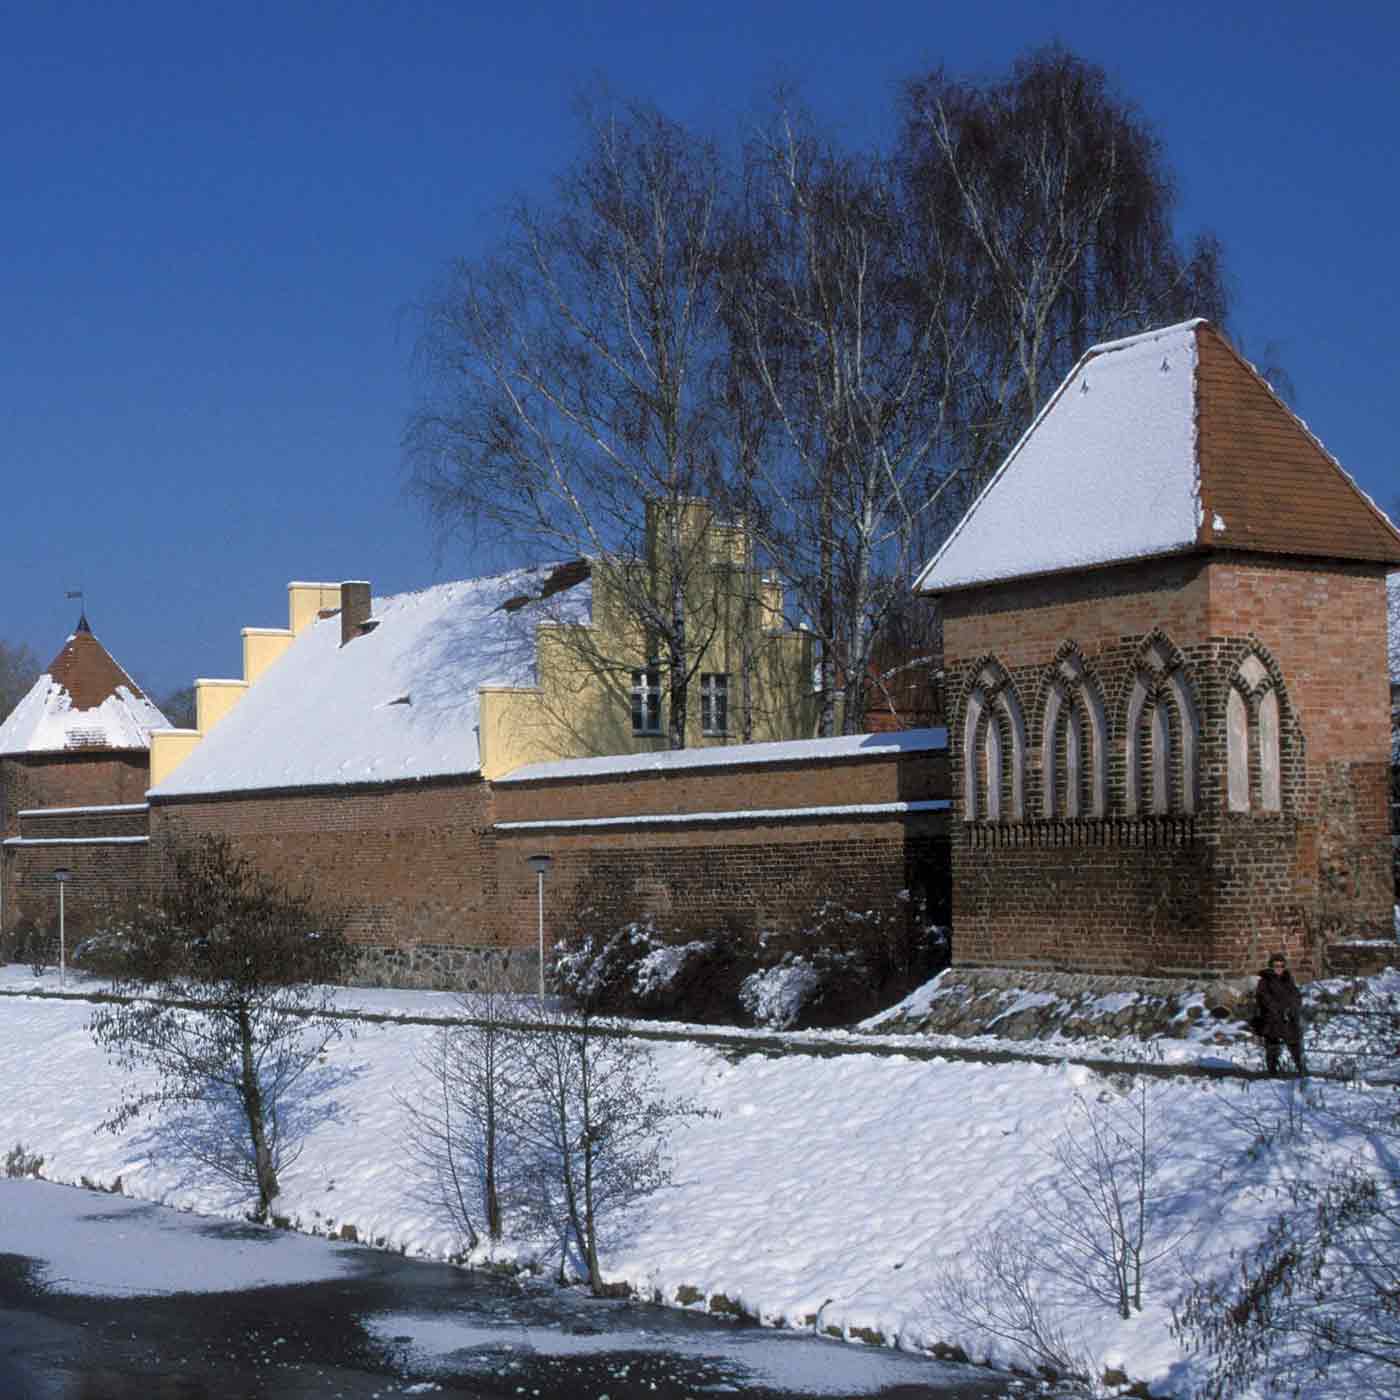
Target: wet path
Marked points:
380	1325
735	1043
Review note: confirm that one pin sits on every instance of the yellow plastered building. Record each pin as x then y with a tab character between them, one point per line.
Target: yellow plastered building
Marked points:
602	685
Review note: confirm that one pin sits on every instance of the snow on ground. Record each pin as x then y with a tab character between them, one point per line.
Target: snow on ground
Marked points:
823	1193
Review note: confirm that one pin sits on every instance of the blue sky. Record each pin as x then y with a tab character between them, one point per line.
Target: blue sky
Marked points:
215	220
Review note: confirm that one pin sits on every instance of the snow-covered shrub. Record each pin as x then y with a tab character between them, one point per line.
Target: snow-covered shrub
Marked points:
900	946
641	970
775	996
19	1162
659	972
596	971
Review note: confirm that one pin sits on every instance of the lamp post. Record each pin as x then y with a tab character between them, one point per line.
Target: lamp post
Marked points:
540	865
62	875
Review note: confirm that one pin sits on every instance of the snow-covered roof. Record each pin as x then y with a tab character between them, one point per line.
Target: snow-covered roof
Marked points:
727	755
84	701
1157	444
397	703
1122	426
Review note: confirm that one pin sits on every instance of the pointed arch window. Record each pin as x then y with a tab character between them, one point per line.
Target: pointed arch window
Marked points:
994	749
1252	726
1162	733
1074	744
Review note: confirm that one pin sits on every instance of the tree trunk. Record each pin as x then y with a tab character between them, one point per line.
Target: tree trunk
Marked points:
250	1091
590	1223
492	1202
826	622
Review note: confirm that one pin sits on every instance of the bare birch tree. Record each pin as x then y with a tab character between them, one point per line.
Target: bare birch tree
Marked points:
460	1113
591	1130
859	371
572	385
1053	196
19	669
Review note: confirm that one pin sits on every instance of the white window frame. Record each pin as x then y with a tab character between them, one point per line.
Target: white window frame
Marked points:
714	703
646	700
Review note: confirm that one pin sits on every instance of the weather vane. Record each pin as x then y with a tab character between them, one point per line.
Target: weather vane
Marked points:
82	609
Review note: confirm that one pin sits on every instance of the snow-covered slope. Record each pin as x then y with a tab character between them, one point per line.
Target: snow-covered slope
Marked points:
829	1194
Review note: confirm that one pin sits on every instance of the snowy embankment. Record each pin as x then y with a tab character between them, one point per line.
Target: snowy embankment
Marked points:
825	1194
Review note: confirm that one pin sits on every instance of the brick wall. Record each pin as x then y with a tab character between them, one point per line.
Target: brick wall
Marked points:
70	779
733	787
411	863
108	876
749	871
1136	900
425	865
1215	889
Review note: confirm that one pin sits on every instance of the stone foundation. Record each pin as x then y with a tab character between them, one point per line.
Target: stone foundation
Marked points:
447	968
1019	1005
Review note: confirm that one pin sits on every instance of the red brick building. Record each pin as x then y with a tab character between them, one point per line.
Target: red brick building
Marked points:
74	768
352	768
1165	648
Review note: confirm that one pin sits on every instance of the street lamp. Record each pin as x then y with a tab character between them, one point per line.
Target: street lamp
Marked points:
540	865
62	875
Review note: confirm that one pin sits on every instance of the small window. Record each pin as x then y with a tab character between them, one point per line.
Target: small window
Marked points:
714	704
646	701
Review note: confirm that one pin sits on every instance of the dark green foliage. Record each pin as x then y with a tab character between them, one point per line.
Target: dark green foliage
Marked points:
20	1163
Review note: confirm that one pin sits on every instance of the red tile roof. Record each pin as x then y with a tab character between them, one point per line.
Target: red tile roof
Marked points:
85	669
1275	486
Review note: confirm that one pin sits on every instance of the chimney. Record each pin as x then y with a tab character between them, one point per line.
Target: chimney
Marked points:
354	610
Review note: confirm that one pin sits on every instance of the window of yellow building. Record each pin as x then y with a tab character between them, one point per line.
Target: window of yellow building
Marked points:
714	703
646	701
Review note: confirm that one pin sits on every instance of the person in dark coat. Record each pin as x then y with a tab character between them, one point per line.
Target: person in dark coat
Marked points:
1278	1014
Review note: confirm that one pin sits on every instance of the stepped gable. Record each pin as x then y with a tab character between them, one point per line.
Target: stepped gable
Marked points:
398	703
1164	443
84	700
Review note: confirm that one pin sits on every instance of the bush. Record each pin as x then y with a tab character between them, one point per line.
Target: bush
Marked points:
775	996
839	966
641	971
229	1016
35	945
104	953
19	1163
